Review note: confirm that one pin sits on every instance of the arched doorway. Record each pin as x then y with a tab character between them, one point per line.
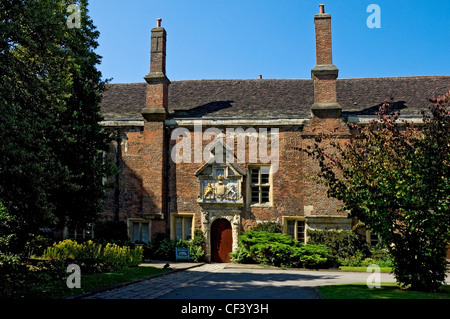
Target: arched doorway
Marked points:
221	240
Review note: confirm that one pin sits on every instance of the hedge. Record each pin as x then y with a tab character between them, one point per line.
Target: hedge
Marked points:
278	249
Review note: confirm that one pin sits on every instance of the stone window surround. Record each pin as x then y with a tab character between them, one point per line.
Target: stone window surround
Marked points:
249	188
131	221
184	216
86	233
285	219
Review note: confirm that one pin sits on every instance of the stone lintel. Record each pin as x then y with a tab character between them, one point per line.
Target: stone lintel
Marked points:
324	69
322	16
220	206
154	113
151	216
156	78
326	110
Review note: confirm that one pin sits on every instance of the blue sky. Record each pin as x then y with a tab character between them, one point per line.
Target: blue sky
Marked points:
241	39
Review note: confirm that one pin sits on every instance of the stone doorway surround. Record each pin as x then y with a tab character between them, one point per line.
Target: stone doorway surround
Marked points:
209	215
220	196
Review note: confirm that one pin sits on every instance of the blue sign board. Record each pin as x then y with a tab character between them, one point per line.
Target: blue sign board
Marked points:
182	253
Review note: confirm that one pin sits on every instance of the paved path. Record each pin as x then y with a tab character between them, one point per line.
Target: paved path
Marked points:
230	281
158	286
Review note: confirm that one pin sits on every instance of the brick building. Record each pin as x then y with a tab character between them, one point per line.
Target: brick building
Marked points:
193	155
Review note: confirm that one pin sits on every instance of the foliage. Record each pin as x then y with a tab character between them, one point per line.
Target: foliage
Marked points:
342	244
40	281
393	177
36	246
196	247
7	226
51	155
11	273
164	248
279	250
271	227
361	261
93	257
242	256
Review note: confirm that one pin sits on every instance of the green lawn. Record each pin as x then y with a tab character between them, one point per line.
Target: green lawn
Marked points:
364	269
58	289
387	291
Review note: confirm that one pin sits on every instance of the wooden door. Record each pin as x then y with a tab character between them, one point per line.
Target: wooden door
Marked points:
221	241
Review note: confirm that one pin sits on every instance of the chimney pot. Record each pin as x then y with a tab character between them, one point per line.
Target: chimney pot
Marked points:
158	23
260	77
322	8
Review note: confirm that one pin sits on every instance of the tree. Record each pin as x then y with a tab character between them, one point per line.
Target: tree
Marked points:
393	177
51	154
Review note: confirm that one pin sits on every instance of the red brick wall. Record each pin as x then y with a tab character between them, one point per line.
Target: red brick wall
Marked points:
143	188
315	194
322	24
325	88
156	95
287	186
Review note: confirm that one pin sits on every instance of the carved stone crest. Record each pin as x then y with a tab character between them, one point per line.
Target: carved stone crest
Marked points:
220	183
209	192
220	188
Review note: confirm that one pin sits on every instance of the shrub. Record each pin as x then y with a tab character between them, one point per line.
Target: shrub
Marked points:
271	227
164	248
253	237
12	274
196	246
279	250
36	245
93	257
379	257
241	255
8	234
312	256
342	244
196	252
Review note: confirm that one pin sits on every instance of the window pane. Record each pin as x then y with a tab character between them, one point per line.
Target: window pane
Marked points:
187	228
178	228
265	194
373	240
88	232
255	194
264	178
144	232
301	231
254	173
291	228
136	236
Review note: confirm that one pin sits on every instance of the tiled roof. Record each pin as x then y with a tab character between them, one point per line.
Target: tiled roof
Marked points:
275	98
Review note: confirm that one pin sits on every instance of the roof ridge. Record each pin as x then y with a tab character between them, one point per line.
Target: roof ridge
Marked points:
280	79
397	77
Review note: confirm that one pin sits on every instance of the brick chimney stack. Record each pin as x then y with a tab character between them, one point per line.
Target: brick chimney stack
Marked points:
157	91
154	155
324	73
